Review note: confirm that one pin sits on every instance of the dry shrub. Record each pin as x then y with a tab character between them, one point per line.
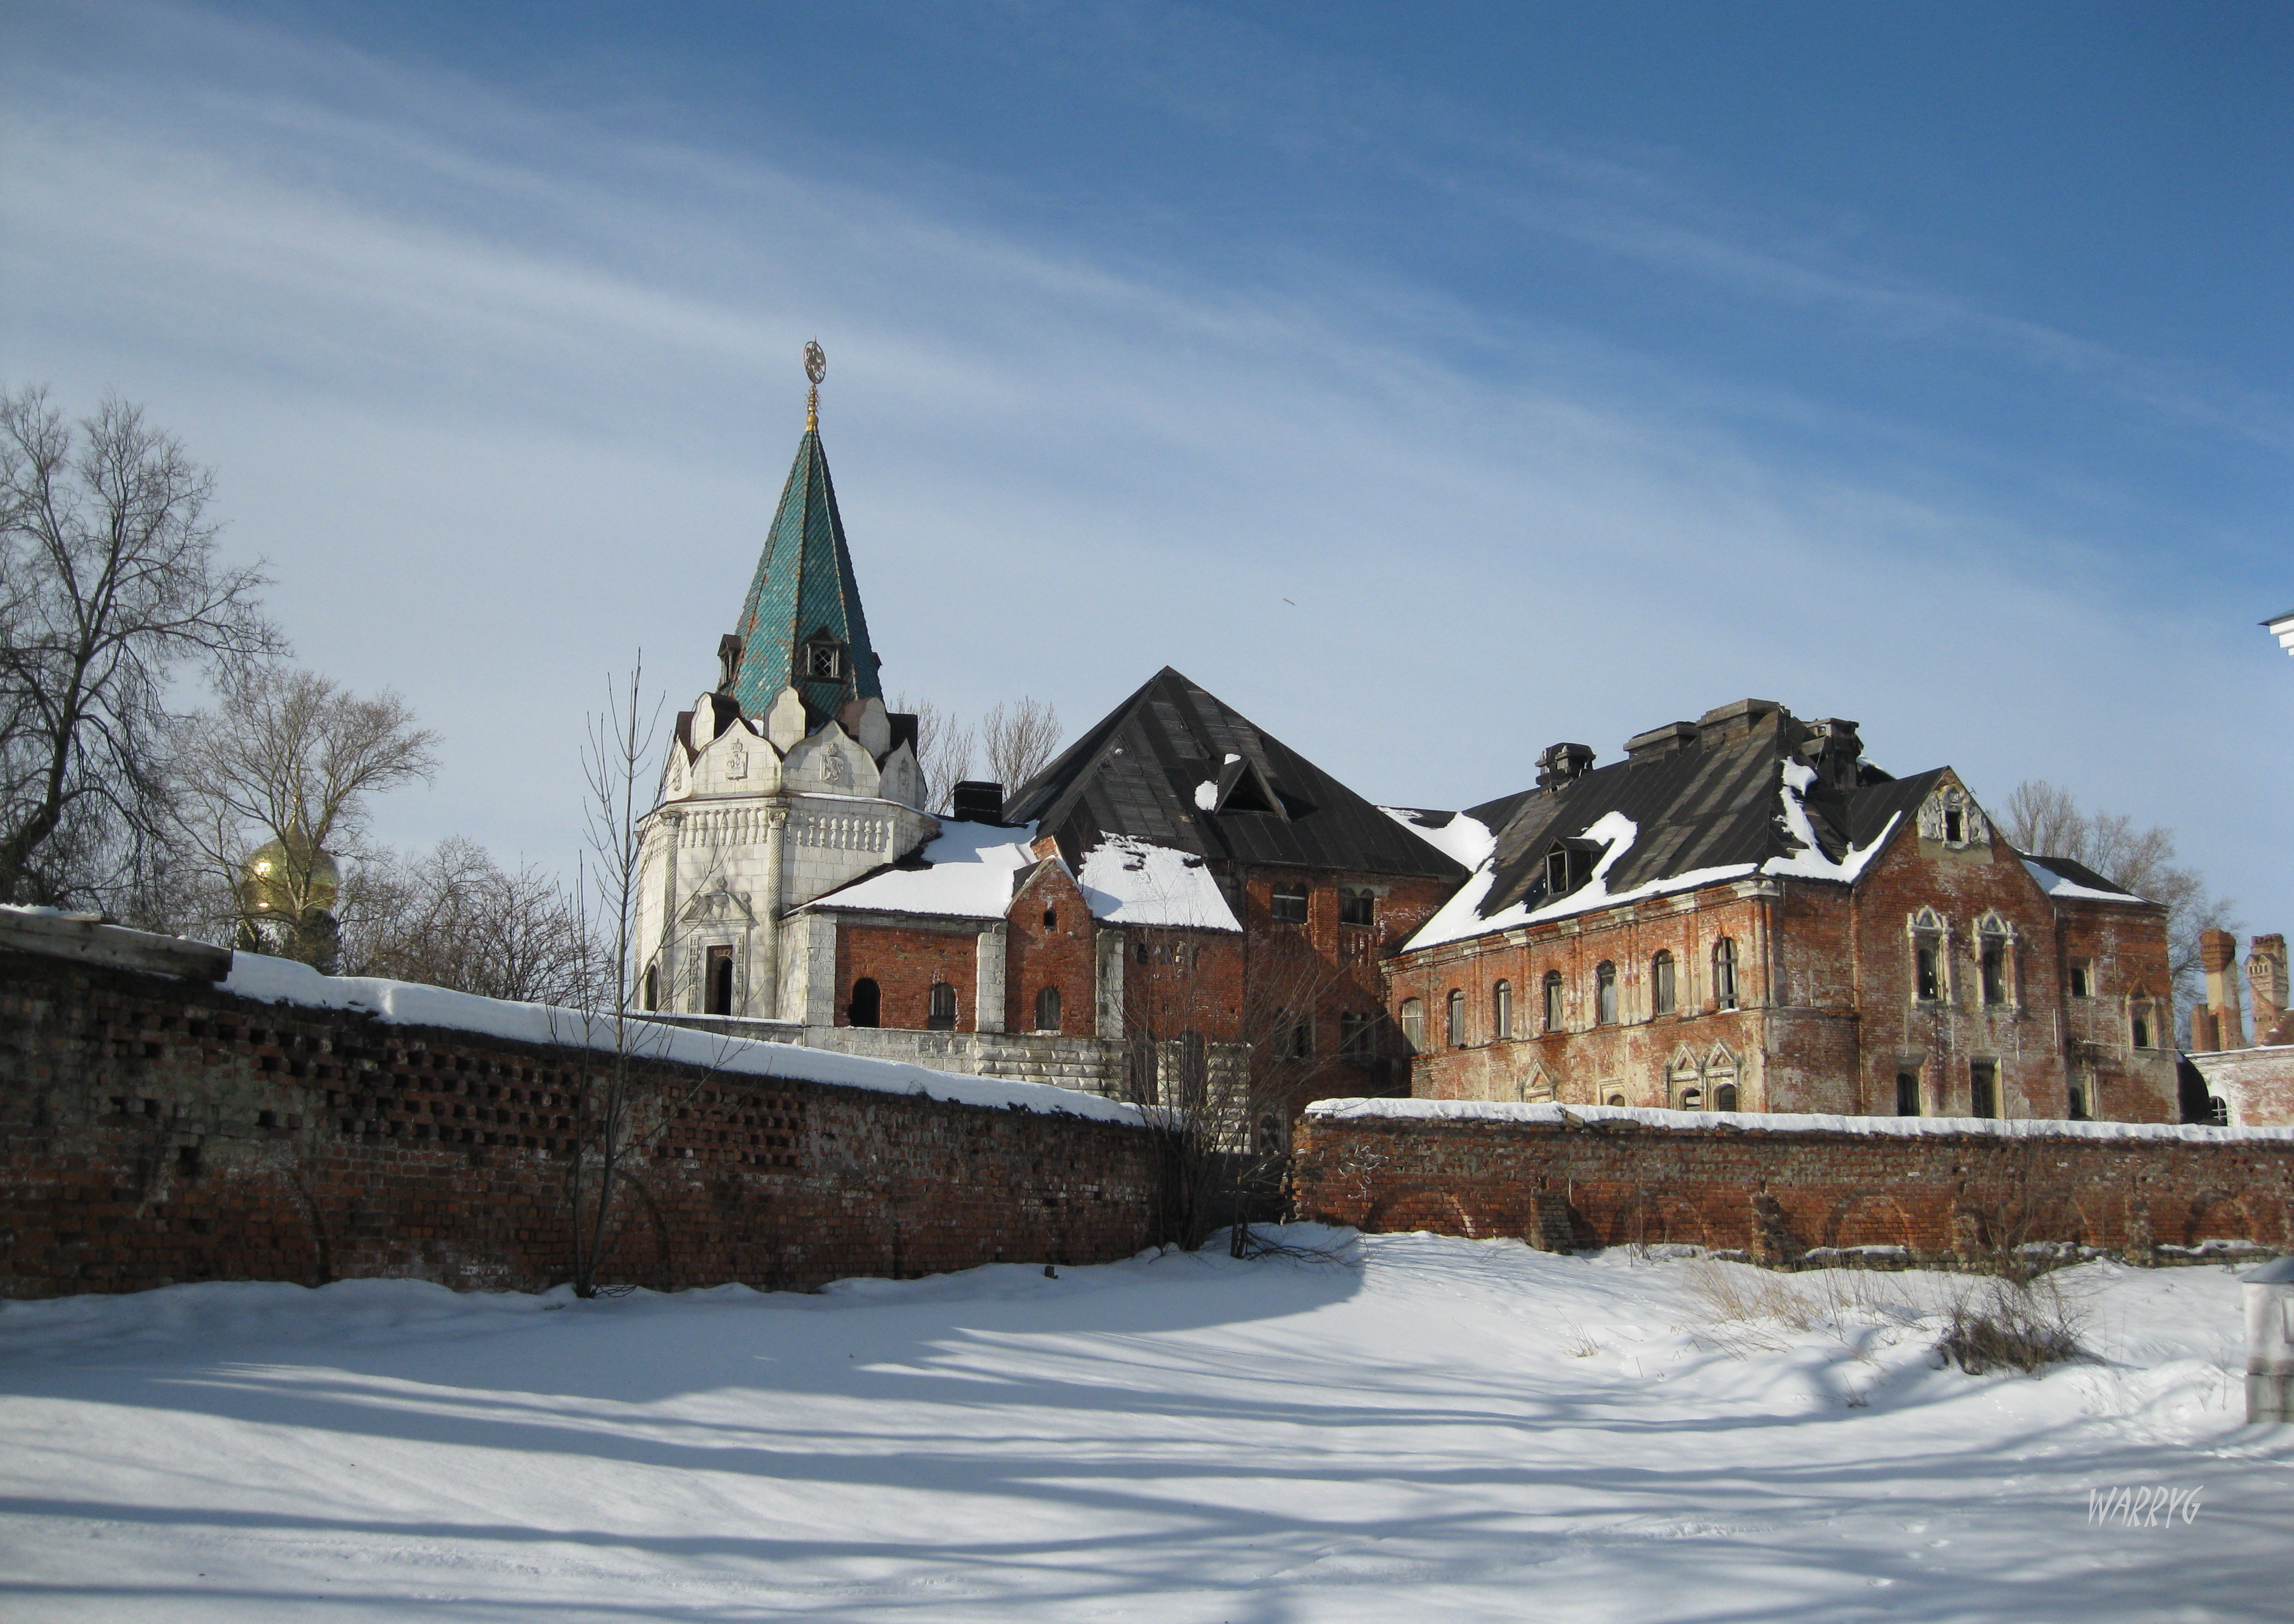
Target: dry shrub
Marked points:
1747	1308
2006	1324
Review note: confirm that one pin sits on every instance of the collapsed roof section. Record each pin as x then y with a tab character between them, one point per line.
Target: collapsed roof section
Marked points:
1175	768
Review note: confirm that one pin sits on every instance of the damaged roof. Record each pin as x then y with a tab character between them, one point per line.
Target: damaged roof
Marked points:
1177	767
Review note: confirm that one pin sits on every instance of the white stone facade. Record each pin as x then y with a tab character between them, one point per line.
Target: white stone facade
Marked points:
755	818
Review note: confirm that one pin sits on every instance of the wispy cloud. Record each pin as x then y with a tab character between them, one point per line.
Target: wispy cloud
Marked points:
505	393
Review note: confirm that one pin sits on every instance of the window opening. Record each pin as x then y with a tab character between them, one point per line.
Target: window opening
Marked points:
1692	1100
1908	1093
2079	1101
867	1006
2082	980
1501	1010
1724	1098
1356	1040
653	986
1357	907
1288	904
1302	1037
719	989
1982	1088
1605	993
2141	1031
1660	988
1047	1010
1995	971
1724	974
1927	969
1553	1001
1051	919
1955	825
1457	1018
941	1009
1413	1023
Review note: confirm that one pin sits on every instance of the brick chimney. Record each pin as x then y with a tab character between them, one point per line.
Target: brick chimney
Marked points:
2218	957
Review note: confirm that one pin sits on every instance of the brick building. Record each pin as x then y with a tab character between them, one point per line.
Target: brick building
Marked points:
1743	914
2241	1083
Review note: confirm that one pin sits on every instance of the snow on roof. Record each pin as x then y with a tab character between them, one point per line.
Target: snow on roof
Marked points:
405	1004
1129	881
1464	839
970	876
1781	1122
2057	885
1461	917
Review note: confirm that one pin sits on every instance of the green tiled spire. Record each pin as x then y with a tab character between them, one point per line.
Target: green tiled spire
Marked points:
804	595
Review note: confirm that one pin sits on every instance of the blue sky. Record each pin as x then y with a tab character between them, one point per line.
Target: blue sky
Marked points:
1433	383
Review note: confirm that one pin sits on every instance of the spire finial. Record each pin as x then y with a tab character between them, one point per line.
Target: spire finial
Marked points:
816	367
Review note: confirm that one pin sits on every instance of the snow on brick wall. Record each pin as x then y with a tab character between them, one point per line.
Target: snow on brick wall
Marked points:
154	1130
1779	1187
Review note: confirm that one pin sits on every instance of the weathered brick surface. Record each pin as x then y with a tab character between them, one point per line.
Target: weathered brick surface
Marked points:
1776	1194
1827	1013
1050	942
904	962
155	1130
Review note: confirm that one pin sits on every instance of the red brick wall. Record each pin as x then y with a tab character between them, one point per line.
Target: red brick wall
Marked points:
155	1130
1778	1194
1061	954
904	961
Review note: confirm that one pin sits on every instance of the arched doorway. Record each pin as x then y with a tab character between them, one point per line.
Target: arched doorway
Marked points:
866	1008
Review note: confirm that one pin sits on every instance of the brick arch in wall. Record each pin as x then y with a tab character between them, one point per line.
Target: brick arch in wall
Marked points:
2213	1215
1869	1218
1423	1209
1659	1217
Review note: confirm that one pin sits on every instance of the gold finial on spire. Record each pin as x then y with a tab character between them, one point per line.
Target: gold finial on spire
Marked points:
816	367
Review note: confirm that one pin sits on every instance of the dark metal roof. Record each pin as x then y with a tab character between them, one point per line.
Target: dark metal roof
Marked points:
1710	805
2078	873
1139	770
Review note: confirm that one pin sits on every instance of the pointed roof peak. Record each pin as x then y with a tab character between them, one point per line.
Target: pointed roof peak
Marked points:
803	622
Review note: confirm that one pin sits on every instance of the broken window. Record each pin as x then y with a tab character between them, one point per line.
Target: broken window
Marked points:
1724	974
1356	1036
2082	980
1661	990
1457	1031
1357	907
1927	969
1605	993
1983	1088
1553	1001
1908	1093
2081	1101
1992	963
1288	904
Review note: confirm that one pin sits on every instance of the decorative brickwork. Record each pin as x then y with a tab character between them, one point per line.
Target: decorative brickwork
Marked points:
156	1130
1776	1194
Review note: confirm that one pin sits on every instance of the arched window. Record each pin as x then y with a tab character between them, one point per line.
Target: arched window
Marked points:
1553	1011
1457	1031
1661	993
867	1005
1605	993
1051	919
1413	1023
1724	1098
942	1008
1724	974
1047	1010
1501	1010
1692	1100
653	986
1616	1098
1991	958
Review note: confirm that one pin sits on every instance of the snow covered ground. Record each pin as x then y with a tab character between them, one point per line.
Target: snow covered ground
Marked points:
1431	1429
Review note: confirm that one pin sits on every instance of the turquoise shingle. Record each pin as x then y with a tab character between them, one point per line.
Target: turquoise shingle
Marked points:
804	587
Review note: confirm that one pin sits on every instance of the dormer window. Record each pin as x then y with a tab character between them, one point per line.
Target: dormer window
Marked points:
1568	865
822	658
1950	818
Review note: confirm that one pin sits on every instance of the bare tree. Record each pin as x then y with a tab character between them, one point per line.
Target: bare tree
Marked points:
614	761
2047	820
454	917
284	770
1019	740
1223	1042
108	584
945	748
